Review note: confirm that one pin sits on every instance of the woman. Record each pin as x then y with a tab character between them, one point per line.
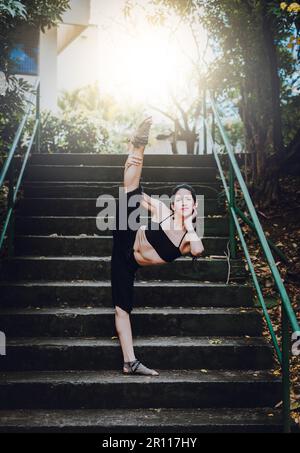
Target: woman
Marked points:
134	247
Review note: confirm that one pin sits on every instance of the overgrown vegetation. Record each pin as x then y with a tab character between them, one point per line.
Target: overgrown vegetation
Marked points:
281	223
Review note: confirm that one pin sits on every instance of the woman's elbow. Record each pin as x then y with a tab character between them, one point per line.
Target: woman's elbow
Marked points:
198	252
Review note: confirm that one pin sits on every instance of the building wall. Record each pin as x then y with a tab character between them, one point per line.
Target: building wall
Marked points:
48	69
79	14
78	63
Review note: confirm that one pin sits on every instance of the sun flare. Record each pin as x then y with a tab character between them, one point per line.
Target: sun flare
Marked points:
146	63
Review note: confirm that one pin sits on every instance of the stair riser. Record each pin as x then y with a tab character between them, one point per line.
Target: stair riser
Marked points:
81	246
139	395
59	325
81	225
82	207
94	190
120	159
107	357
60	269
86	340
173	427
100	296
154	174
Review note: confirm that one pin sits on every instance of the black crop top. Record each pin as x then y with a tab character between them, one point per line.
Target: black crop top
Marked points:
162	243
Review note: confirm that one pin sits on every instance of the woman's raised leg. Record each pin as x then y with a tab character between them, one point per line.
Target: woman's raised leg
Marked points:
132	175
133	168
134	163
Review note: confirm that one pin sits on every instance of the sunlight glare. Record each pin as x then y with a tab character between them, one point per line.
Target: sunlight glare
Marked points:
144	63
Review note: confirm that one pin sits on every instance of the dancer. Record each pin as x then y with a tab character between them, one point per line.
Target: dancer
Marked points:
134	247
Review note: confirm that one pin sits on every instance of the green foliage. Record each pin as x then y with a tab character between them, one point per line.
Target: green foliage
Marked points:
75	132
11	111
40	13
291	118
12	8
13	13
105	110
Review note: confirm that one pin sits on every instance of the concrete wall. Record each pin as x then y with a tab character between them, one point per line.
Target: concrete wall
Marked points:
48	69
56	41
79	14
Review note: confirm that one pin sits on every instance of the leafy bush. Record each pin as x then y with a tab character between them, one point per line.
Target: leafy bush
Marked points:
75	132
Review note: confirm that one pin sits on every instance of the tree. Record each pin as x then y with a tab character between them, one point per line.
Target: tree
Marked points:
36	13
250	41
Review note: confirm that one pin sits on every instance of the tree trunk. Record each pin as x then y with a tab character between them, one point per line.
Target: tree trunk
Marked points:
260	109
269	38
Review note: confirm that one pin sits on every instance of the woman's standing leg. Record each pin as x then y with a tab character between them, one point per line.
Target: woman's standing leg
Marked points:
122	281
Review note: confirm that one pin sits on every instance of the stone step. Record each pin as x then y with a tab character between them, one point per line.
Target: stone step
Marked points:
91	245
156	420
93	189
186	321
62	225
163	353
110	389
113	173
154	293
159	160
92	268
88	207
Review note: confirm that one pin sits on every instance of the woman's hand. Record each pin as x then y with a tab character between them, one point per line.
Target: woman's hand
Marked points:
196	243
188	220
133	159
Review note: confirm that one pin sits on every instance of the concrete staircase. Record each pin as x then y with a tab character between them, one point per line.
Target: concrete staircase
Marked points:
62	371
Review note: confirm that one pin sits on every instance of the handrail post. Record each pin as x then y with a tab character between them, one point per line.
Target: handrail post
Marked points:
204	123
38	118
286	371
213	124
10	206
232	230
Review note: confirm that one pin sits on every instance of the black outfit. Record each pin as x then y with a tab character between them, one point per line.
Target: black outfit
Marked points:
123	263
163	245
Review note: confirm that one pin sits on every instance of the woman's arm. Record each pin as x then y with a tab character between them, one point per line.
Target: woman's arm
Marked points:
192	237
195	243
156	206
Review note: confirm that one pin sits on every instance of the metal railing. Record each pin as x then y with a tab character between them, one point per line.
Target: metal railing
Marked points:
289	319
7	173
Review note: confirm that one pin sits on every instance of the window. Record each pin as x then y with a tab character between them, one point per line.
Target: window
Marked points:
25	50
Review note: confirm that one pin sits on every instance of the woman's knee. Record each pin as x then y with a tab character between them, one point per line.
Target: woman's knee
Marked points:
122	312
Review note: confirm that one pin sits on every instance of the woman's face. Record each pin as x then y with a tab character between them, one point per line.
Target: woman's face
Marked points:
183	202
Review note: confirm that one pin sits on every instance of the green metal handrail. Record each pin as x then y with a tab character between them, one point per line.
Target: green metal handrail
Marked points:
8	169
288	315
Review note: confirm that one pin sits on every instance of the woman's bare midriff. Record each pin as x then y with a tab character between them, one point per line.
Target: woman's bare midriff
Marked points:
144	253
142	261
